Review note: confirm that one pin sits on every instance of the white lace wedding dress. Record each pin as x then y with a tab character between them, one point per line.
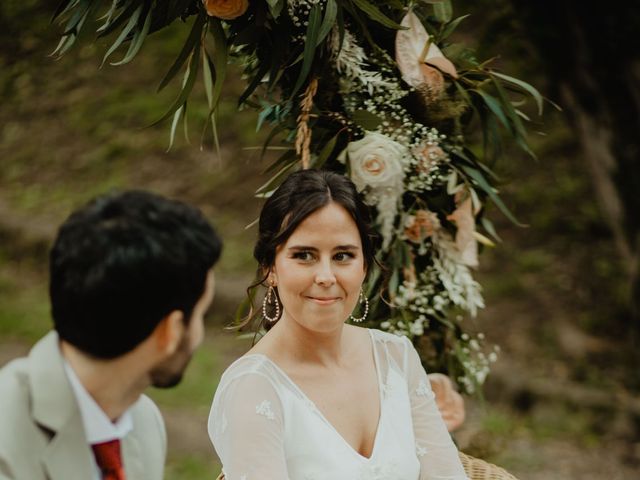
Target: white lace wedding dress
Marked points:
264	427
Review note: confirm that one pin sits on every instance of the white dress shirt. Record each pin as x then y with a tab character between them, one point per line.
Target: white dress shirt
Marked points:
98	427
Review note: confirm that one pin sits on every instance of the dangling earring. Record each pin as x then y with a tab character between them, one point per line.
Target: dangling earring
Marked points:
364	300
267	300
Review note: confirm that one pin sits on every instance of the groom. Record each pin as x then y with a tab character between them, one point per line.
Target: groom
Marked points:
130	282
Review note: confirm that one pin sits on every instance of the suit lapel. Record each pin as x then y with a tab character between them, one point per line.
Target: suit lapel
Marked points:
68	455
54	408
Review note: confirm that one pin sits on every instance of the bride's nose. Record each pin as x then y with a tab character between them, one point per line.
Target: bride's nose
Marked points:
324	275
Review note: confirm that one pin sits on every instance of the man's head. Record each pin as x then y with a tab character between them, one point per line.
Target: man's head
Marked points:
128	266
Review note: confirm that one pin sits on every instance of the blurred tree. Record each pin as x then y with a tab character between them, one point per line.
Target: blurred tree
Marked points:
592	63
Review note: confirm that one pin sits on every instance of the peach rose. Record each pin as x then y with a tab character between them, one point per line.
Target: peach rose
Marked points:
226	9
427	156
449	401
421	225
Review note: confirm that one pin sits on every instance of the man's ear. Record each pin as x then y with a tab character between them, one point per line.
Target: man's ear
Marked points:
169	332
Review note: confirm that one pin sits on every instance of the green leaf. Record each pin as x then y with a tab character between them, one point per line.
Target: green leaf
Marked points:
522	85
479	179
495	108
488	226
126	13
376	15
518	130
451	26
207	77
266	189
443	11
326	152
366	119
187	48
174	124
187	85
255	81
133	20
63	7
329	20
137	41
275	7
313	29
220	57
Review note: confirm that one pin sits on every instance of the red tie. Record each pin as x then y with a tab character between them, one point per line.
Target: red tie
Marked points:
109	460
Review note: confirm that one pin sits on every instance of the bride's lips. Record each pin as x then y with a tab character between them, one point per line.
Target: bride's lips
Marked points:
323	300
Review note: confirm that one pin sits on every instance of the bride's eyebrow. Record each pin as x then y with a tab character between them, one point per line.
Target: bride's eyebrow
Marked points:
302	248
306	248
347	247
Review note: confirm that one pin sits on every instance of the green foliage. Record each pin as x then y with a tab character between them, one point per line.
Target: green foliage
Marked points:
322	92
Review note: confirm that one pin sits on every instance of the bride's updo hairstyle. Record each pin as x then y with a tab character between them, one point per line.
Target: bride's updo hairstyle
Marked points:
300	195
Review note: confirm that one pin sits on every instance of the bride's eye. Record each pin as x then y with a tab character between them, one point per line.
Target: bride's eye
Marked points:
303	255
344	256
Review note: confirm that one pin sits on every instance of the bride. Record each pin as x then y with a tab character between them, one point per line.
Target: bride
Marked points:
317	398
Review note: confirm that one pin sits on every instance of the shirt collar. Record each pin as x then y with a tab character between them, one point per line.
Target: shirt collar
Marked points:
98	427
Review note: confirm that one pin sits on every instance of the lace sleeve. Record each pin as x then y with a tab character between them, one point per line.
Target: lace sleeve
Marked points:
246	429
436	451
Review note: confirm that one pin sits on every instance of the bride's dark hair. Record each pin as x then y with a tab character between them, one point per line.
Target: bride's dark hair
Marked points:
301	194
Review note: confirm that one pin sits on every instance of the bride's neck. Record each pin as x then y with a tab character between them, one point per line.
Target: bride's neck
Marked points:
303	345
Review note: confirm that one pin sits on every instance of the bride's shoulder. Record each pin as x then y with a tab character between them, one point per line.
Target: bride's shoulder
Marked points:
380	336
252	368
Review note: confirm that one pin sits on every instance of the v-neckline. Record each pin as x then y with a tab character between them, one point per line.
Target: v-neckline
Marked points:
322	416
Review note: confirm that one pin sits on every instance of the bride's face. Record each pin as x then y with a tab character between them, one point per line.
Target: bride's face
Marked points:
320	269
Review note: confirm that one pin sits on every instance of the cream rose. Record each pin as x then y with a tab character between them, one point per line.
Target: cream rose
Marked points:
377	162
226	9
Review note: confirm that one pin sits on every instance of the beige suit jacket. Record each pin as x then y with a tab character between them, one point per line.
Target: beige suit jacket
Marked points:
41	431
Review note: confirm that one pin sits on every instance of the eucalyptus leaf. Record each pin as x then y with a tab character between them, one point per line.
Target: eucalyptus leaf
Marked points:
443	11
451	26
313	30
127	12
329	20
187	48
275	7
189	80
133	20
63	7
479	179
137	41
274	181
174	124
326	152
376	15
220	58
522	85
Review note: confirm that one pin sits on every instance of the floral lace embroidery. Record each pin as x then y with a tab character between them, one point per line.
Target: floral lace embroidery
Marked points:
376	471
422	389
265	409
420	451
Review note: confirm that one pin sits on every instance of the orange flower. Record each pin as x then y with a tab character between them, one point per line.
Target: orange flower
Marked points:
421	225
464	218
226	9
428	155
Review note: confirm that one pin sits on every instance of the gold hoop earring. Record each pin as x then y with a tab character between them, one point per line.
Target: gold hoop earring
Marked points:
364	300
271	292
